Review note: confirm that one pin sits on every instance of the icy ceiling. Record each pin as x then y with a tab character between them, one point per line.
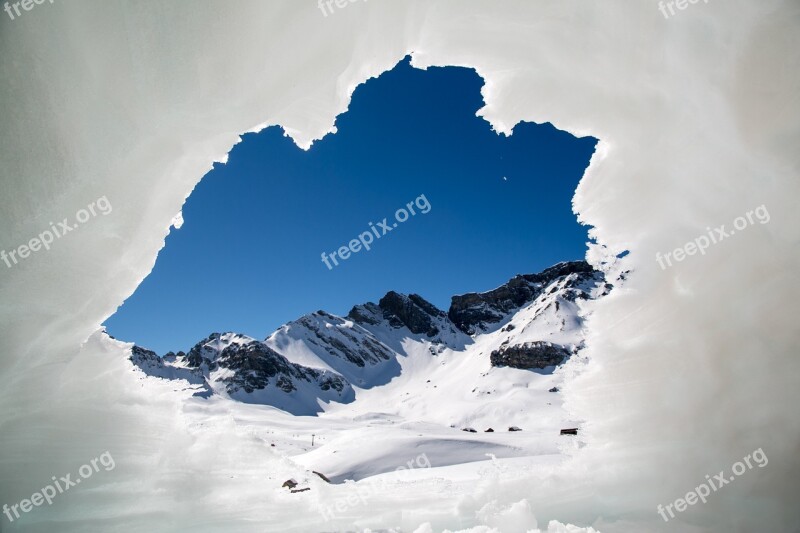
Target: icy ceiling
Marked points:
693	366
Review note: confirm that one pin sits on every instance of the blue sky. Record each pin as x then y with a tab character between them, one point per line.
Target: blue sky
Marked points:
248	257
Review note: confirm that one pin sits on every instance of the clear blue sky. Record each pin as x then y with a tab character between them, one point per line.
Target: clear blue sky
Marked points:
248	257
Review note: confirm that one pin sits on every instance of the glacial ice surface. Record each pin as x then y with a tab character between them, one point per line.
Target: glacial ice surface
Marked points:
691	367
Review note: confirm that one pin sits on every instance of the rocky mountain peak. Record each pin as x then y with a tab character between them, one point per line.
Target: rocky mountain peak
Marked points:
475	312
411	311
532	322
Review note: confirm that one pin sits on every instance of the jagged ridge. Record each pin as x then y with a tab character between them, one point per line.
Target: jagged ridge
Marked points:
318	356
476	312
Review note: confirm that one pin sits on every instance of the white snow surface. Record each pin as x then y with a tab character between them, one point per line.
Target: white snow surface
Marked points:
434	397
689	368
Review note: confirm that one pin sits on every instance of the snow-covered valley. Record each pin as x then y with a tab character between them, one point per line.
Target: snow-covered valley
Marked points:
401	380
687	369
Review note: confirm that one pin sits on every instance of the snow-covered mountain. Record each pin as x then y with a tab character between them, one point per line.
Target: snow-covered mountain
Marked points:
488	342
245	369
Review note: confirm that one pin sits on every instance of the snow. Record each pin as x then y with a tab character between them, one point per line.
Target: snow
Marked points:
292	341
421	398
177	221
686	370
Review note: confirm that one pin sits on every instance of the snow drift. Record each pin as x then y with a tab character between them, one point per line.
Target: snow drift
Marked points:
692	366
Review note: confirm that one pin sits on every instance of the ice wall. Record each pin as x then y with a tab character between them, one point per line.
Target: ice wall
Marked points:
693	366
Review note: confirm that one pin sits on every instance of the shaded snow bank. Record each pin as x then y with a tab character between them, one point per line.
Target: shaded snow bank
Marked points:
692	367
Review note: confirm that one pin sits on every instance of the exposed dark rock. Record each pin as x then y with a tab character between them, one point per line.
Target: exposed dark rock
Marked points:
472	312
143	354
331	381
554	389
254	364
351	345
153	365
289	483
569	431
490	430
411	311
537	354
323	476
360	350
201	354
469	430
514	428
368	313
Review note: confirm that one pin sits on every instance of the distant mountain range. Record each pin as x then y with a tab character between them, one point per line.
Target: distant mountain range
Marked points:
531	323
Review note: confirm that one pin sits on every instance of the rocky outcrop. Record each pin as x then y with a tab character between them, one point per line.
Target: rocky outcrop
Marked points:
537	354
320	357
240	365
254	364
353	344
475	312
411	311
366	314
144	357
153	365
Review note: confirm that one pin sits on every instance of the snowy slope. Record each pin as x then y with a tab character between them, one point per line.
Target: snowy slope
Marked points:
321	352
697	116
399	378
322	340
245	369
443	390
